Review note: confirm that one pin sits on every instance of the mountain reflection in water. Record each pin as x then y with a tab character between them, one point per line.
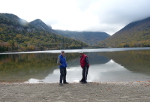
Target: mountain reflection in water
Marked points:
104	66
108	72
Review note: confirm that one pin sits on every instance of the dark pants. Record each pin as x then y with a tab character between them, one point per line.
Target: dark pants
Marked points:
84	74
63	73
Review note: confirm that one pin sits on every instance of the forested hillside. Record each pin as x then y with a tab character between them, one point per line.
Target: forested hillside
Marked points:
91	38
135	34
19	35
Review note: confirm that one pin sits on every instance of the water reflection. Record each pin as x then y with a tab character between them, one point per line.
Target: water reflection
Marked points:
74	69
22	67
113	71
135	61
105	67
109	72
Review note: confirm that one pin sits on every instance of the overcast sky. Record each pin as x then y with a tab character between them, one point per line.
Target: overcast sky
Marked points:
80	15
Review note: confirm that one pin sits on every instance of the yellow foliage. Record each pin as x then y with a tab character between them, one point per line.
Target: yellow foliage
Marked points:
1	29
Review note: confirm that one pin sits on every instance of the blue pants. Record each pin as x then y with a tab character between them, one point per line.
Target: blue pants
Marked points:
63	73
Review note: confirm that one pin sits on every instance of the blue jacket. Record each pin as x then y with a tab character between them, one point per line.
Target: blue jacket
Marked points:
62	61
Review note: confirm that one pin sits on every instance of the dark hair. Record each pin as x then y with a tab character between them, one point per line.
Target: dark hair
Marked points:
62	51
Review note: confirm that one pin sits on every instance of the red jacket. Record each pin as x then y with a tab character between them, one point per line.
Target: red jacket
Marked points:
83	62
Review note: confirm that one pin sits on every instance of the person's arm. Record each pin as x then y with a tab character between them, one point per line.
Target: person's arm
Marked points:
87	61
58	61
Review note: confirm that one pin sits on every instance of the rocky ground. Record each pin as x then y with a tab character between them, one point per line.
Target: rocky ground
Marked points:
76	92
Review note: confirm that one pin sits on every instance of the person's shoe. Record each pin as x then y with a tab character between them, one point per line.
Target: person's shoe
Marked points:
84	82
81	81
60	84
66	83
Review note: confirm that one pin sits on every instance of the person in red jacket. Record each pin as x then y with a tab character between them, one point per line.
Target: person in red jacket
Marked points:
84	62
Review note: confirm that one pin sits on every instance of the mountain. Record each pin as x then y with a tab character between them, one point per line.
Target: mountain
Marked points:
91	38
11	19
135	34
17	34
41	25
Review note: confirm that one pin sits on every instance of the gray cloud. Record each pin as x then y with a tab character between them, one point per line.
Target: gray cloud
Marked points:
122	12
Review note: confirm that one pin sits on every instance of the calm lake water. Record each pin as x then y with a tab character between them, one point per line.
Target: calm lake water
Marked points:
106	65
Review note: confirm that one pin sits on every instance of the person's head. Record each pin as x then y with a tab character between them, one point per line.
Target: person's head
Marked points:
62	53
81	53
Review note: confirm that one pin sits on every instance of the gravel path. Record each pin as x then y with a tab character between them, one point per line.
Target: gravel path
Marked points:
76	92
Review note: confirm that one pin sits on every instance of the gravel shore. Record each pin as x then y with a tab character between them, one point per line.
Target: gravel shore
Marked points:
76	92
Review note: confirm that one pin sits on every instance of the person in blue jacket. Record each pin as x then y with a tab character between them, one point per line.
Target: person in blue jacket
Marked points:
61	61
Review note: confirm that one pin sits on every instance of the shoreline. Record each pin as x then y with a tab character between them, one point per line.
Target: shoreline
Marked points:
138	91
112	82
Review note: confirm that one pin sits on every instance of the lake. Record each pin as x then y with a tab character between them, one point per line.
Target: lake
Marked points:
106	65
